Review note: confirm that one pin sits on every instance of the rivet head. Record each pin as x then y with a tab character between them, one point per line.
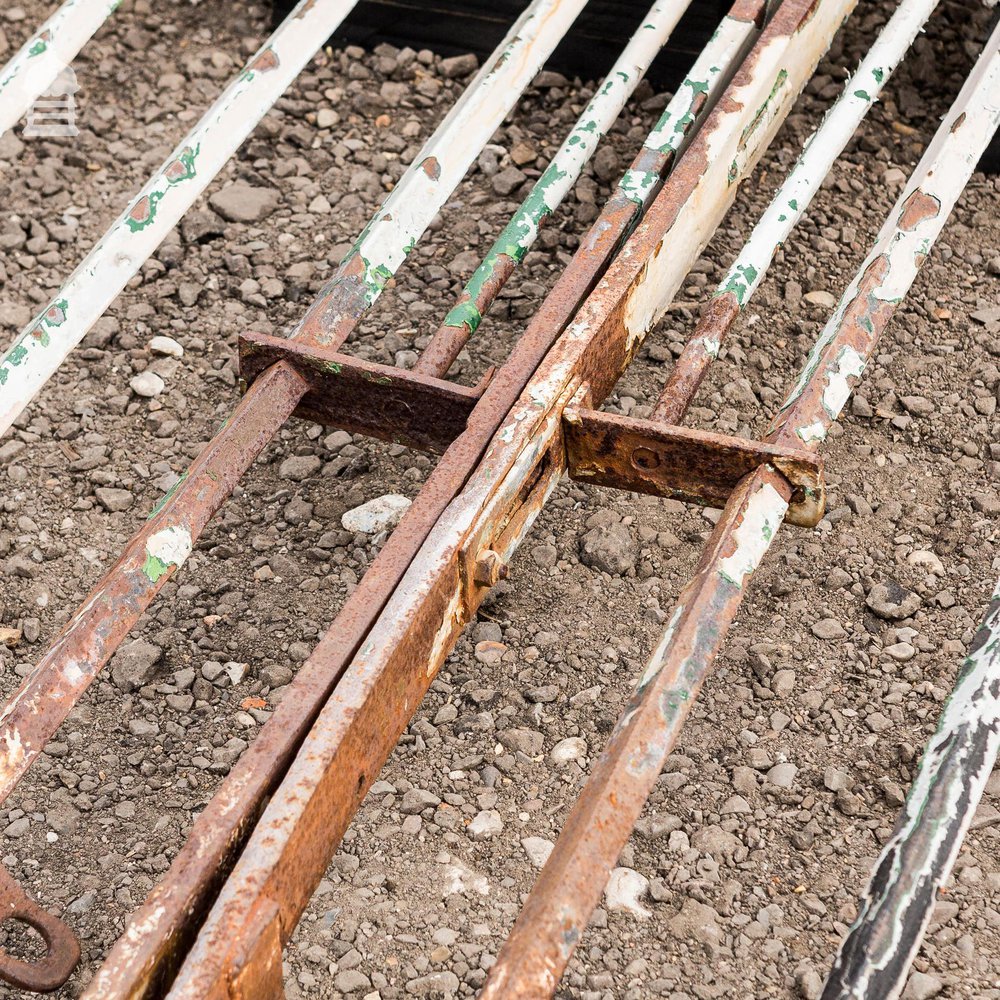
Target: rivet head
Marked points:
490	568
643	458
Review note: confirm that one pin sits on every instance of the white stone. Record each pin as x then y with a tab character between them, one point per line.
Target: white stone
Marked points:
377	515
538	850
486	825
166	346
926	560
624	890
147	384
572	748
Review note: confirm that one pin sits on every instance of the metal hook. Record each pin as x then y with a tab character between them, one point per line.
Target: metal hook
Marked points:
62	948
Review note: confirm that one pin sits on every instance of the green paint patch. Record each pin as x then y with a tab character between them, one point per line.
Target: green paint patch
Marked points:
741	278
879	74
38	48
154	567
165	499
863	94
17	354
464	314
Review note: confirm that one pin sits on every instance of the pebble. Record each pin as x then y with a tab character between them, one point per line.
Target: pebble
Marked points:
135	663
922	986
609	548
485	825
242	202
891	601
625	888
376	515
166	346
828	628
113	500
572	748
300	467
537	849
147	384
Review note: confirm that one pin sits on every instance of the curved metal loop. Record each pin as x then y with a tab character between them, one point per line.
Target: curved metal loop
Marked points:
62	948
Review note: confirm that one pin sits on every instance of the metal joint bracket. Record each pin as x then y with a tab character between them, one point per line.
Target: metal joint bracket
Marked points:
366	398
684	464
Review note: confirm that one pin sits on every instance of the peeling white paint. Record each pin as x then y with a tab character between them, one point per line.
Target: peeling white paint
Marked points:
848	364
762	517
170	546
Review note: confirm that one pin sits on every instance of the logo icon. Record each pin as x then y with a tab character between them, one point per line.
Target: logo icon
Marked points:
53	114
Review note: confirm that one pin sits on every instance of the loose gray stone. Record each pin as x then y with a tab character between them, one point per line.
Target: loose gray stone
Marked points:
892	601
244	203
134	665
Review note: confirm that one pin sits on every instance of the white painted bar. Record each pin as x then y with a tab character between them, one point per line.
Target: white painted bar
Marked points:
446	157
41	59
578	147
134	236
824	146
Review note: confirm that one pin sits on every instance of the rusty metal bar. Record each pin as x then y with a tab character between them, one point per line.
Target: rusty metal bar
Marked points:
40	61
48	339
898	903
289	849
558	908
88	640
788	206
550	189
693	466
161	924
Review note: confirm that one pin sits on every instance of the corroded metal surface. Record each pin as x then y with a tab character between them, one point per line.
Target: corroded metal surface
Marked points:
288	851
571	883
788	206
38	63
61	324
551	188
363	397
62	949
693	466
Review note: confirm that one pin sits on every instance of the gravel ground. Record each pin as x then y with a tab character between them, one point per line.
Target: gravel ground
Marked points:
765	823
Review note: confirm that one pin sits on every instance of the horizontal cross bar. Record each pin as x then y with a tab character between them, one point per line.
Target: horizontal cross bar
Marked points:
366	398
690	465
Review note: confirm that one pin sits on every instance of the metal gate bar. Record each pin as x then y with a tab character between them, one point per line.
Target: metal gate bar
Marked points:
226	820
288	851
549	190
898	903
557	911
915	863
39	62
116	258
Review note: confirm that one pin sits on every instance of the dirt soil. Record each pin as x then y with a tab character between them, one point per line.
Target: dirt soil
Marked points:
766	820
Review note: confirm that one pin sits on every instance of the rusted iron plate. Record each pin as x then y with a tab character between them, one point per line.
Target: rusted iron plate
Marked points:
694	466
143	959
45	974
363	397
288	851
